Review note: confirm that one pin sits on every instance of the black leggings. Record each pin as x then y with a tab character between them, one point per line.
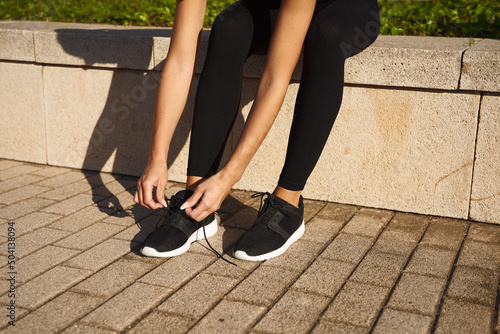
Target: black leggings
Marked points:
339	29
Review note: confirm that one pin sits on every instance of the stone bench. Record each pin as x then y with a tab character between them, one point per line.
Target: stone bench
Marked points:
418	131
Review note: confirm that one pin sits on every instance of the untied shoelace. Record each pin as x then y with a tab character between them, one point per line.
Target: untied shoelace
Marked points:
168	212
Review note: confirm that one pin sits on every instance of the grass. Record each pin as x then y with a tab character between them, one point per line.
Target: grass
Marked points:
465	18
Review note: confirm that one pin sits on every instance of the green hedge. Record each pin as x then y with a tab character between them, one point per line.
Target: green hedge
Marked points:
467	18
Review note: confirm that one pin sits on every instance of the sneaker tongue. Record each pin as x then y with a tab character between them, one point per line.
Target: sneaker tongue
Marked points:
178	199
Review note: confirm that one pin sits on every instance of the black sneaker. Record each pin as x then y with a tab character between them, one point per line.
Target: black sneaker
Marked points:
279	224
179	231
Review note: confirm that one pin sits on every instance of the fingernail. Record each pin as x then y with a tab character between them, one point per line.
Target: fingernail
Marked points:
185	205
164	205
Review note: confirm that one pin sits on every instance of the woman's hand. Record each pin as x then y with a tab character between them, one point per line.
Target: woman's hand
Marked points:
154	176
208	196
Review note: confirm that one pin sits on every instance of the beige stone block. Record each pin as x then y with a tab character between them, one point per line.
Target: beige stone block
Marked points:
22	133
17	44
406	150
409	61
76	44
394	322
485	197
481	67
99	119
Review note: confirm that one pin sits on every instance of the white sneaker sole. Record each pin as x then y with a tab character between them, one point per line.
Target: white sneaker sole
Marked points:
210	229
294	237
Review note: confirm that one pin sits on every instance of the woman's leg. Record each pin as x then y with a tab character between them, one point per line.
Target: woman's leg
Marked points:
236	33
342	29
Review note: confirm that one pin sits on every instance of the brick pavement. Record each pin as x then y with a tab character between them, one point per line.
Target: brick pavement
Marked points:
356	270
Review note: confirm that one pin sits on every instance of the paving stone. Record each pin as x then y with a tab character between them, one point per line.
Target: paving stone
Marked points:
357	304
101	255
19	313
32	241
113	278
81	219
98	179
50	171
459	317
46	286
121	311
417	293
331	327
177	270
5	164
89	236
311	208
32	221
379	269
80	328
394	242
322	230
222	268
263	286
324	277
62	193
17	171
444	232
347	248
62	179
474	284
484	233
56	314
295	312
225	239
367	222
19	194
339	212
431	261
18	182
161	323
42	260
138	232
198	296
70	205
114	187
131	216
298	257
118	202
229	317
478	254
395	322
22	208
243	219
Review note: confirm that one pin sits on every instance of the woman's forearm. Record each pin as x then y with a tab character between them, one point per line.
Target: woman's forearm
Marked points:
177	75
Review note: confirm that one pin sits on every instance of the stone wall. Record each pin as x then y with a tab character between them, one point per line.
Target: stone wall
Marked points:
418	131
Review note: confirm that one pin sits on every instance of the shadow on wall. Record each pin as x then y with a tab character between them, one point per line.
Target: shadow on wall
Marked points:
121	137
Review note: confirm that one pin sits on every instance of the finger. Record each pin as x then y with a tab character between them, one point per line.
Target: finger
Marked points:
160	194
139	194
148	196
193	200
198	216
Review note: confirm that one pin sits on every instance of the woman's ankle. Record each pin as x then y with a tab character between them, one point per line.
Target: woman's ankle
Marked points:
193	181
290	196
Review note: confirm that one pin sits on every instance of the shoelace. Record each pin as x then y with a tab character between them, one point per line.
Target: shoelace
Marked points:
263	207
169	212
